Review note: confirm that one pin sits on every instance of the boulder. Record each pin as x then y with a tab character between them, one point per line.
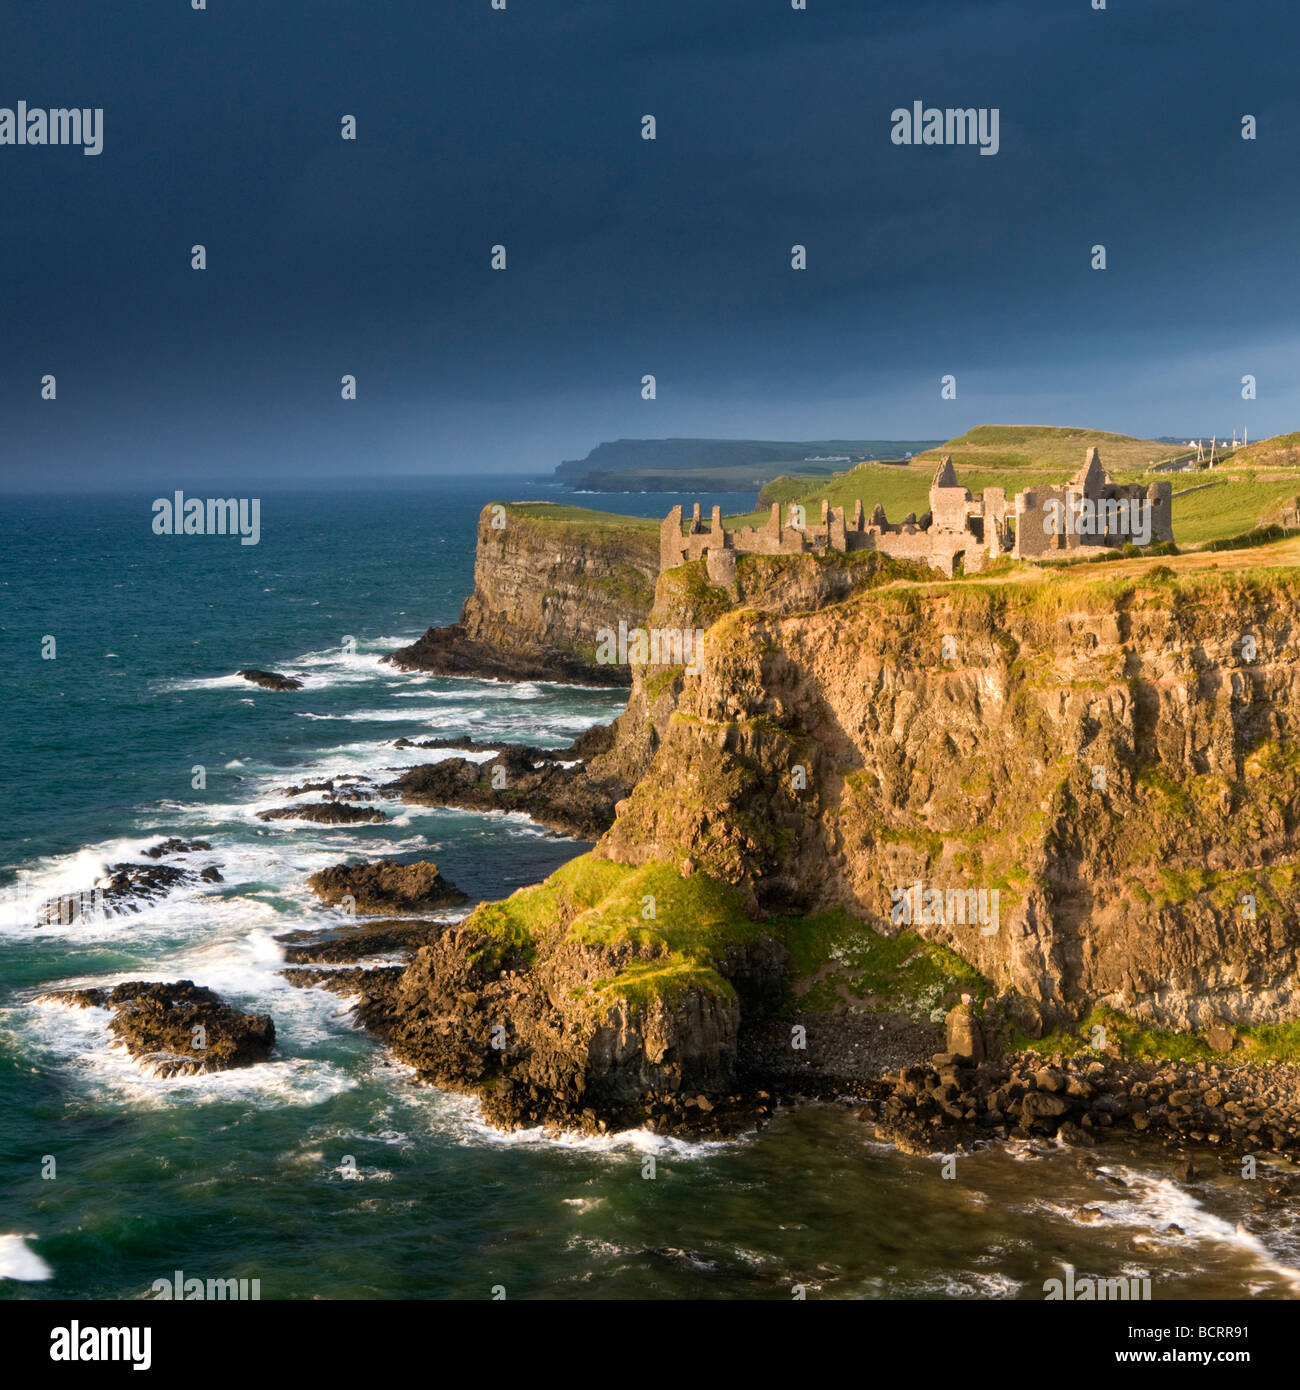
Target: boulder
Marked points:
269	680
179	1028
386	886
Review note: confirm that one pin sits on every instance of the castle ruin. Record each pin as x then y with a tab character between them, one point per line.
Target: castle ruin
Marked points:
1091	510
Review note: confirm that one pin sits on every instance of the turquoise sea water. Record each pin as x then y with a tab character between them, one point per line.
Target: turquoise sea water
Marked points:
244	1174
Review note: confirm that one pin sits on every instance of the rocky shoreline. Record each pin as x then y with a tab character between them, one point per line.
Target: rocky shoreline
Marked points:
574	1005
437	1010
953	1104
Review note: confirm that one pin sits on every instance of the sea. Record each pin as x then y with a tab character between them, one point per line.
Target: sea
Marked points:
328	1171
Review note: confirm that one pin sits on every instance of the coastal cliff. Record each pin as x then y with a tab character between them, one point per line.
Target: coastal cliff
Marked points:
1115	758
546	579
1096	765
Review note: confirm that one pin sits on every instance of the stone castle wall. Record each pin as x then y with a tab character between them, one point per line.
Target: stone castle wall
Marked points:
958	527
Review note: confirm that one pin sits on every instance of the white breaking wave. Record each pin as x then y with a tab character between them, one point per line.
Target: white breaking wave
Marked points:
19	1263
1151	1204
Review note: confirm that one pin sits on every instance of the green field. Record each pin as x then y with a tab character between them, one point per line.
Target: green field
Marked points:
1230	508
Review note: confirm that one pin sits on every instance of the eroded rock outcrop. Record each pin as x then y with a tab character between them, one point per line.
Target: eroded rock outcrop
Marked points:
384	886
177	1028
127	888
531	1033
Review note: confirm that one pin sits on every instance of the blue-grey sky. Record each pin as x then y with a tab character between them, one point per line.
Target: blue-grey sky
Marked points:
625	256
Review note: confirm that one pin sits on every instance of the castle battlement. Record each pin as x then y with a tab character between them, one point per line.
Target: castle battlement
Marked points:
1042	523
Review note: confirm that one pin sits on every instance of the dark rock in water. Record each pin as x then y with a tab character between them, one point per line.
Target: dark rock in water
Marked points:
335	789
386	886
179	1028
269	680
359	941
126	887
174	846
565	799
326	813
123	889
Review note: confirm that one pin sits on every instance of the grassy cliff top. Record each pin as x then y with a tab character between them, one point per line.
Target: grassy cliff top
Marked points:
680	927
1048	447
558	514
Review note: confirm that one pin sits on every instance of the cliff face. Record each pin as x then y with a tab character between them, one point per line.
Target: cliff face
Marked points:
1115	759
874	794
543	587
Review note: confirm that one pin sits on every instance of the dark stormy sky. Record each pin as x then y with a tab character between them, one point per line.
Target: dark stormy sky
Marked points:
671	257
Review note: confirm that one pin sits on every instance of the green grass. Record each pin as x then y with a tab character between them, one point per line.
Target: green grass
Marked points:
900	974
559	514
697	917
697	922
599	902
1269	1042
1231	508
684	925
